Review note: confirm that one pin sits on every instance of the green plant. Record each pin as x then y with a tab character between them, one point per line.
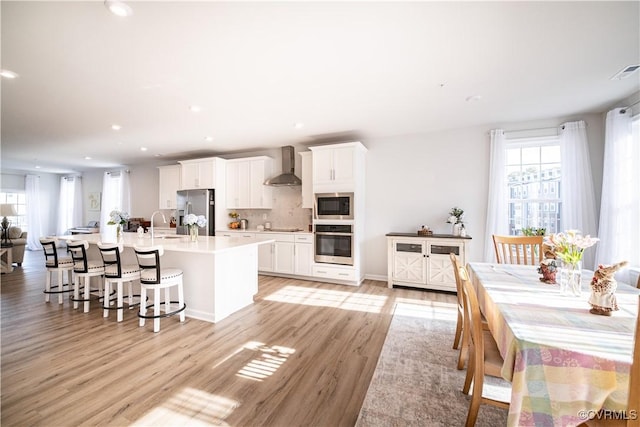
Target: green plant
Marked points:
533	231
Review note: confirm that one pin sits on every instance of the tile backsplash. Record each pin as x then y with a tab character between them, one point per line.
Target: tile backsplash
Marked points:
286	212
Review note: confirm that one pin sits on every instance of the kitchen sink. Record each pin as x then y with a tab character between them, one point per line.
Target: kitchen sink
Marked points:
285	230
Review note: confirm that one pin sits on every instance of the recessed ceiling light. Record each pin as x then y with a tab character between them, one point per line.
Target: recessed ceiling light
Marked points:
474	98
118	8
8	74
37	167
87	158
195	108
143	148
626	72
116	127
208	138
298	125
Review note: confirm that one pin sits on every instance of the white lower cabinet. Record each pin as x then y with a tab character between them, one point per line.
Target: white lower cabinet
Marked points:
423	262
289	254
303	256
335	272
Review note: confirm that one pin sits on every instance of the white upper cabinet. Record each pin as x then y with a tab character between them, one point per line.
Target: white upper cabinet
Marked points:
337	167
245	183
307	179
200	173
169	184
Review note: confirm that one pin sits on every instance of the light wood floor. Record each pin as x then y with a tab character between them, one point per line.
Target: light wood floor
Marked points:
302	355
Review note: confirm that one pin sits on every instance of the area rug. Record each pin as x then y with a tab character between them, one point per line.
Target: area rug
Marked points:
416	382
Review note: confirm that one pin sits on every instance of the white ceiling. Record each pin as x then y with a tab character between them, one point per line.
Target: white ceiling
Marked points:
342	68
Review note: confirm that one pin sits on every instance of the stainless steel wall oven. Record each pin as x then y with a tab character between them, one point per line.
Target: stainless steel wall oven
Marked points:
334	243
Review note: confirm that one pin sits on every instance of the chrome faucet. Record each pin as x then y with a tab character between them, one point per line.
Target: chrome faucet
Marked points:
163	219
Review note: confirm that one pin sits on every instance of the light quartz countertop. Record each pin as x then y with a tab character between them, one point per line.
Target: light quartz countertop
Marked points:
174	242
273	231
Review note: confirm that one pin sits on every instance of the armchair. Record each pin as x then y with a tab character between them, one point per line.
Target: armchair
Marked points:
19	240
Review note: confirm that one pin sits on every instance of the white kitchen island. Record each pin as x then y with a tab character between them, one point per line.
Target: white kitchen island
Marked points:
220	273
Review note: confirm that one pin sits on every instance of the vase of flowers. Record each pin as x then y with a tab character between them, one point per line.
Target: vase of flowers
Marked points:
569	248
455	219
118	218
194	222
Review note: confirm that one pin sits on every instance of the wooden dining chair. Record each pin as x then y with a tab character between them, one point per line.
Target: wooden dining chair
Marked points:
461	338
484	356
633	401
518	249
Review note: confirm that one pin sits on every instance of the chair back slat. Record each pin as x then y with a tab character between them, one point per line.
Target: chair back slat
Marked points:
78	250
149	260
110	253
50	250
518	249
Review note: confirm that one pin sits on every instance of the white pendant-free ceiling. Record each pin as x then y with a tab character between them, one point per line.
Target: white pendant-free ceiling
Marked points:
372	69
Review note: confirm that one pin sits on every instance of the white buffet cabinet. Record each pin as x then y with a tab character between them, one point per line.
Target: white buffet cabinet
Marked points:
423	261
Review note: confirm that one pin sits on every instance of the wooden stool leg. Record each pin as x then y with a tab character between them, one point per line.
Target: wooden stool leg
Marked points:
60	286
156	309
181	301
87	292
120	300
105	301
47	287
76	291
143	304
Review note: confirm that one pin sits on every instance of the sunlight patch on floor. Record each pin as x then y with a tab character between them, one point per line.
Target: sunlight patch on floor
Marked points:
329	298
426	309
269	359
190	407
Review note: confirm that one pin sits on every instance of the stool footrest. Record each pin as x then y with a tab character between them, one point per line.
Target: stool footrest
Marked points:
58	292
135	304
161	315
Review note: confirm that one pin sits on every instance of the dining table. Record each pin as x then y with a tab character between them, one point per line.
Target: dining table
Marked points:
564	363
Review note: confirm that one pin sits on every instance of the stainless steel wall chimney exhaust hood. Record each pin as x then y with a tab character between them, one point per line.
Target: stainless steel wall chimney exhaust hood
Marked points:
287	178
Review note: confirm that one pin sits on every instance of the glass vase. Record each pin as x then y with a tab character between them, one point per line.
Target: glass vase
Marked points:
193	233
118	231
571	278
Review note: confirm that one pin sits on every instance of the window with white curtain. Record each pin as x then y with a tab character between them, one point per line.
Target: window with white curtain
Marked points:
619	229
534	175
115	194
70	208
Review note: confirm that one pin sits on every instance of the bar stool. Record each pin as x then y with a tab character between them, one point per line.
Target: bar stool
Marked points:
116	273
155	278
56	265
84	269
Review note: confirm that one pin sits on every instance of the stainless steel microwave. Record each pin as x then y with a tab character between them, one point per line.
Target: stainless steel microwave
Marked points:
334	206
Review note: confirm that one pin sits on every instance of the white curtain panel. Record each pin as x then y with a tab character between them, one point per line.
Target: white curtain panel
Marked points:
70	208
577	194
32	197
116	195
619	229
497	203
125	192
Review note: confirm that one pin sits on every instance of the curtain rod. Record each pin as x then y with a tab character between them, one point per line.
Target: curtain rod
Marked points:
624	109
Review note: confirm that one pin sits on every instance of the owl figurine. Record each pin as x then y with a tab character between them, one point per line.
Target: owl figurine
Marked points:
603	287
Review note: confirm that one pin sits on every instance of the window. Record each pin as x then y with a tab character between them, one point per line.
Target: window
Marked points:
533	177
18	200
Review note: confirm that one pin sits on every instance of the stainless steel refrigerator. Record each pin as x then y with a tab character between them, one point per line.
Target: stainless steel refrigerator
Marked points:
197	202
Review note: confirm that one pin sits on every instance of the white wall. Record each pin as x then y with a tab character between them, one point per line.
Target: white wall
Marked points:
415	180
